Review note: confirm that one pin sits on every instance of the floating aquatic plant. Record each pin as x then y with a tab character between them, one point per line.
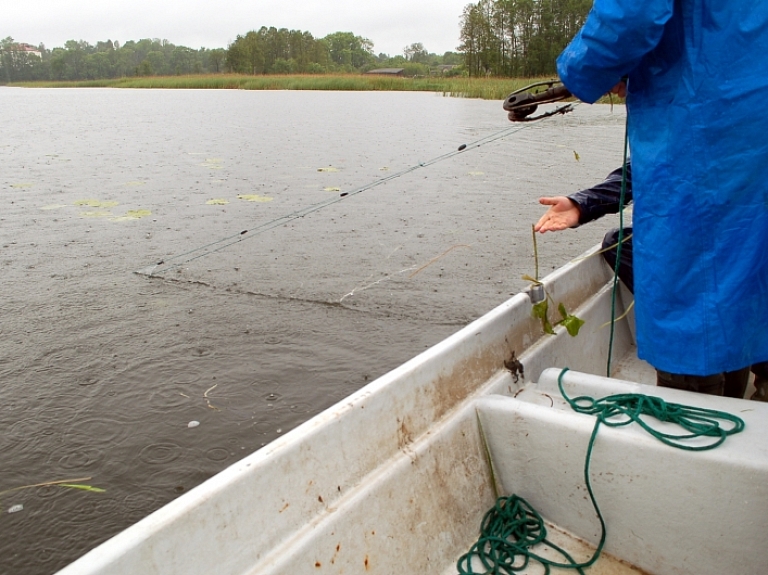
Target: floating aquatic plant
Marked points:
95	214
212	163
132	215
66	483
254	198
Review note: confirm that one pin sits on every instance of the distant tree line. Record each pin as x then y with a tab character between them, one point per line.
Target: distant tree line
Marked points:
79	60
263	51
518	38
507	38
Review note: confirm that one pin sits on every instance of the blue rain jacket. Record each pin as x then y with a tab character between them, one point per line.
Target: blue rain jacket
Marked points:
698	129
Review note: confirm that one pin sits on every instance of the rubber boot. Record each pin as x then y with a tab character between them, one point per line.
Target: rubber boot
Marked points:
761	389
709	384
736	383
761	381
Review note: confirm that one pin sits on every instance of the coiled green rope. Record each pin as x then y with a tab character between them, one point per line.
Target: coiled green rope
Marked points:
512	527
508	532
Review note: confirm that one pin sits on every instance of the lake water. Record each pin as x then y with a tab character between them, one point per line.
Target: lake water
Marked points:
146	386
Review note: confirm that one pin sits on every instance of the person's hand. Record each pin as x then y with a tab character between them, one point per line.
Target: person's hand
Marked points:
620	89
561	215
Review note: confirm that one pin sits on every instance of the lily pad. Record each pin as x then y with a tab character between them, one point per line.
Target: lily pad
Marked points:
132	215
95	214
217	202
254	198
332	189
138	213
22	185
212	163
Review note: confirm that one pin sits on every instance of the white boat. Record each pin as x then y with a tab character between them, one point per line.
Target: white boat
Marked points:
397	477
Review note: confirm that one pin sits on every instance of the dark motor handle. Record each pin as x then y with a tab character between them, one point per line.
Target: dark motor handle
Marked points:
521	105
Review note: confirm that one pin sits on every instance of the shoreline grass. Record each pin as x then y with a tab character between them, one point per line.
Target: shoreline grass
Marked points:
482	88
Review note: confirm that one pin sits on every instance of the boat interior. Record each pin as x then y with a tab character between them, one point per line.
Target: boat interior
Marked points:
398	477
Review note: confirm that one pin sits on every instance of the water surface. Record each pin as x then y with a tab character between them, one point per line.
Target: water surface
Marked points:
151	385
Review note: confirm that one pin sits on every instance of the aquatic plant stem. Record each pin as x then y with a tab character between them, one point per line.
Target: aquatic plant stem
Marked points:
46	484
535	253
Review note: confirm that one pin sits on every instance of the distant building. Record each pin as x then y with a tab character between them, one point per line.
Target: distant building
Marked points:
387	71
28	49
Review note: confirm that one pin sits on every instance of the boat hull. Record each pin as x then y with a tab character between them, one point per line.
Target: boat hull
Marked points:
397	477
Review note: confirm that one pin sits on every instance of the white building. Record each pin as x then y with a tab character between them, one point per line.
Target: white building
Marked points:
28	49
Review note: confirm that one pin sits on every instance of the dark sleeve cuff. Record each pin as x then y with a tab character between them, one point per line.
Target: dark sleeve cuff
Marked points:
604	198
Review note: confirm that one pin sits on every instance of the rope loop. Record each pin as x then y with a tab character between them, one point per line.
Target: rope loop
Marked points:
625	408
512	528
508	532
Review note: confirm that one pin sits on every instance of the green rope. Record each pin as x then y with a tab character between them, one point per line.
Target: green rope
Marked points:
620	242
512	527
509	530
625	408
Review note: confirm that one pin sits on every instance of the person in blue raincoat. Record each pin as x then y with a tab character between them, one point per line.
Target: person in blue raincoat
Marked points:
698	131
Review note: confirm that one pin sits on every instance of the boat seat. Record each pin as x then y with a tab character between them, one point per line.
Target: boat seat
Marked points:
662	506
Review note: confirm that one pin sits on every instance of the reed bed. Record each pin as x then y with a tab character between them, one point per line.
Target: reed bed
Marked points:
484	88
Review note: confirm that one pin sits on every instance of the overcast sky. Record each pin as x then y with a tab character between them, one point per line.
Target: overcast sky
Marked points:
389	24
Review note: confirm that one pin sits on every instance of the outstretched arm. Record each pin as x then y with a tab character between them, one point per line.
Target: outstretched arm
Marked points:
603	198
570	211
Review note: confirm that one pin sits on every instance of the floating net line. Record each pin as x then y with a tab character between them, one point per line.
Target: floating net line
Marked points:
170	263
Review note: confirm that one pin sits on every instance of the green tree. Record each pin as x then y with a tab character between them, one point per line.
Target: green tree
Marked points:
349	51
124	61
6	58
216	59
182	60
518	37
144	68
283	66
246	54
101	65
416	53
74	59
272	50
157	64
